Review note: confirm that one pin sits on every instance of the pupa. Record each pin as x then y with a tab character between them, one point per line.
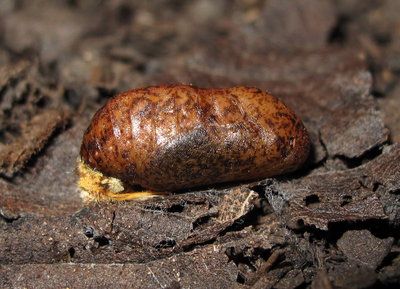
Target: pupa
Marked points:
178	137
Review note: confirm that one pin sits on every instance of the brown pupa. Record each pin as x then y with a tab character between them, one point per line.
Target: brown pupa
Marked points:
175	137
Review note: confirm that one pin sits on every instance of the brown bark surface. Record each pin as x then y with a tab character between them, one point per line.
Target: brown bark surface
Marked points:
332	224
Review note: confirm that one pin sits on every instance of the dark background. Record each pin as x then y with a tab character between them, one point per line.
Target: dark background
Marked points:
333	224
